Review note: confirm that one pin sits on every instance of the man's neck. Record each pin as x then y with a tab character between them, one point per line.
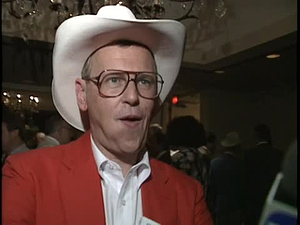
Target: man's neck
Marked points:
16	143
125	161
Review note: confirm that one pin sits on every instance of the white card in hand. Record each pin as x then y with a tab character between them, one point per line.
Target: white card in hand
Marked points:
146	221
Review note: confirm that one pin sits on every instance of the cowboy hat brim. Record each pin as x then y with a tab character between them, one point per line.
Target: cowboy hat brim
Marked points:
79	36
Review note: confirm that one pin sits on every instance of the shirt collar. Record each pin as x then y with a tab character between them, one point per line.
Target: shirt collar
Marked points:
262	142
229	153
53	139
101	159
19	149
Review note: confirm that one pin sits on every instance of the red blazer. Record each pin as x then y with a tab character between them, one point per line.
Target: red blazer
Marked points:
61	185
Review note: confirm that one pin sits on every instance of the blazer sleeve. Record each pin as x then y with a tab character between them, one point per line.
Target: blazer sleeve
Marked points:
202	214
18	198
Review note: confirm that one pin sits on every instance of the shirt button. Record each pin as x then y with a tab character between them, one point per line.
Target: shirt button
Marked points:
123	202
111	167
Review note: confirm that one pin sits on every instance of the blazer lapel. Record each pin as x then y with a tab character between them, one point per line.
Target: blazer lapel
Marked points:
80	182
158	201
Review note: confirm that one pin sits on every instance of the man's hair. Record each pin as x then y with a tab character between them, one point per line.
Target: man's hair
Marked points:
185	131
13	121
210	137
263	132
52	123
86	69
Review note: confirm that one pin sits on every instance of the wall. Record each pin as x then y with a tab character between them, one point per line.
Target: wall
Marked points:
223	111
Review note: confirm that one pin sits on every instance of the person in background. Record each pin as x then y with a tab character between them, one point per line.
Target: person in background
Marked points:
185	134
156	144
206	152
57	132
262	163
289	169
111	74
211	143
226	188
13	134
281	206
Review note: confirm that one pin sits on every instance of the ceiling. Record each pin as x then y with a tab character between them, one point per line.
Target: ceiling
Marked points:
237	44
248	70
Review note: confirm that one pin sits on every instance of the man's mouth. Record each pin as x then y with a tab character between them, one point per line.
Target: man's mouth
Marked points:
131	120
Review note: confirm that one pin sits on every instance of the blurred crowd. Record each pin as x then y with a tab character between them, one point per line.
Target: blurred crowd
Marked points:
17	136
236	179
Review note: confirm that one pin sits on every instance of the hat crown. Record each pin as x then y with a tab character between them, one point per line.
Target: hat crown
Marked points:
233	137
116	12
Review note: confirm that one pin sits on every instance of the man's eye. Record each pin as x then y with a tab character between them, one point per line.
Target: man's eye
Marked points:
145	82
114	79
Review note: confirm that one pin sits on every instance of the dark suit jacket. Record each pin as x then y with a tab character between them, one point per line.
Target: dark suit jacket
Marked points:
226	187
262	163
61	185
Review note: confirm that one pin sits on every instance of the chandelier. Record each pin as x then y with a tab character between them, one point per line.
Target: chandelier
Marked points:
32	18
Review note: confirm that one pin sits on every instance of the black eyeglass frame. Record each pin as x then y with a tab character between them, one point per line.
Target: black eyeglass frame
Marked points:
96	80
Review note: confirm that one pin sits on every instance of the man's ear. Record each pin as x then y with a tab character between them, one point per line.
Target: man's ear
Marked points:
80	87
14	133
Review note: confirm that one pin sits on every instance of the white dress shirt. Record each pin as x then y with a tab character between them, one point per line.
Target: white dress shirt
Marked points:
122	196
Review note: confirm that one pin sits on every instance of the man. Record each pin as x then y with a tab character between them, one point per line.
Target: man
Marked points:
211	143
262	163
57	132
106	177
226	187
156	144
206	151
13	133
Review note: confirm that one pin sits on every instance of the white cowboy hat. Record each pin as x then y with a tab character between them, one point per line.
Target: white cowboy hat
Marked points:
231	139
77	37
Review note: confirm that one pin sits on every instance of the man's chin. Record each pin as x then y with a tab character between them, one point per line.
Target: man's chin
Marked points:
130	150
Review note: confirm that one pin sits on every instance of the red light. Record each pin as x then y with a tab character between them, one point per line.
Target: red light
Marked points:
175	100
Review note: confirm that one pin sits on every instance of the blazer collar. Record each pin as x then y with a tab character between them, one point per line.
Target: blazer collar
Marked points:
156	194
77	152
80	184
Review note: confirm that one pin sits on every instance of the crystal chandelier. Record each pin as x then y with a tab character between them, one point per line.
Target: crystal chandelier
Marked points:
29	18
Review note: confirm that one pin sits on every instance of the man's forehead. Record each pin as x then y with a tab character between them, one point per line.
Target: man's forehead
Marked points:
114	51
124	47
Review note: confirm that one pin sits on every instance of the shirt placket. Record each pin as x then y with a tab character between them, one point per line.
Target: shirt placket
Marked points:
127	200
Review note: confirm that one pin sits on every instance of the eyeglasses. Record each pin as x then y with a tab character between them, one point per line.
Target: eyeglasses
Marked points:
112	83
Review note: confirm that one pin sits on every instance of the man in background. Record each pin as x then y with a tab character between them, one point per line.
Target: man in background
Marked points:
13	132
226	184
156	143
262	164
57	132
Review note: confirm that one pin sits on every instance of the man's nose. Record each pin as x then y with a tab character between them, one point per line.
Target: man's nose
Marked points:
131	95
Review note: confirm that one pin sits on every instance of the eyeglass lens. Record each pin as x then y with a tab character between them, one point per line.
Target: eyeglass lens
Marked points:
113	83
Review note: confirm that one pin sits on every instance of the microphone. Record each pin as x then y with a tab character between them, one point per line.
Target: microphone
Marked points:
281	204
